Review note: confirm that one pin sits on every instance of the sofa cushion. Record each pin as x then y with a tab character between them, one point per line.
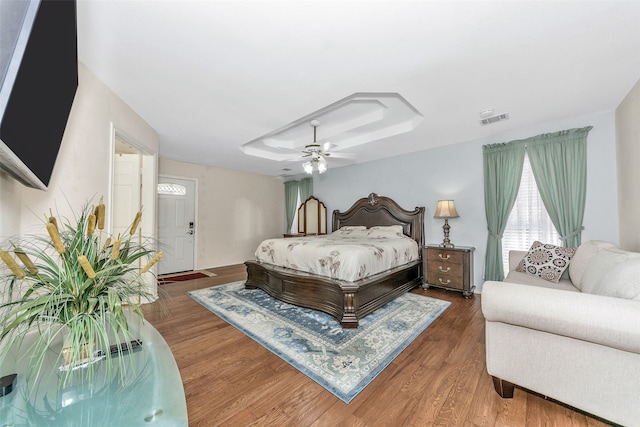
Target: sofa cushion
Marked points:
623	281
603	266
582	258
546	261
523	278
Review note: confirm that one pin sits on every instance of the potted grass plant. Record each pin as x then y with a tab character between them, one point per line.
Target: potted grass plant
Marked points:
74	284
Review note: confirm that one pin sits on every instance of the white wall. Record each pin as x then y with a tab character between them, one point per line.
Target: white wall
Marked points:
235	212
455	172
628	152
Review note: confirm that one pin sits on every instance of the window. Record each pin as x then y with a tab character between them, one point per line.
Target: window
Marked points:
529	220
172	189
294	225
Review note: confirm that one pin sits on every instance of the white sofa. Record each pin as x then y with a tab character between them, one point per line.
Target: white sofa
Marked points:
576	341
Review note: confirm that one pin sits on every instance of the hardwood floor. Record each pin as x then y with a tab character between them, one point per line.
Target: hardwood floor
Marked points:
440	379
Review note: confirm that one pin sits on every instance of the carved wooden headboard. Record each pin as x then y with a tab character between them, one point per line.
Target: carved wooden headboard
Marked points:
312	217
380	210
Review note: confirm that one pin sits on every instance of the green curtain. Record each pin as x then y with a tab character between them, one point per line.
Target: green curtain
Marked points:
290	201
502	173
559	165
306	188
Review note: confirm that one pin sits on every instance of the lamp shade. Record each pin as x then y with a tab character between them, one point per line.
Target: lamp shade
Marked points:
446	209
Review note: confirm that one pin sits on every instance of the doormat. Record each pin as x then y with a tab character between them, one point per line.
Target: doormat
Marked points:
182	277
343	361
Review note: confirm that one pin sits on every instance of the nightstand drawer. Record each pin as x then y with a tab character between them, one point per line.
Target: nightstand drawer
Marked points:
448	272
451	281
438	255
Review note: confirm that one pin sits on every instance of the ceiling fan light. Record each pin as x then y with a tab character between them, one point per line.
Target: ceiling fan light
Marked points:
322	167
308	167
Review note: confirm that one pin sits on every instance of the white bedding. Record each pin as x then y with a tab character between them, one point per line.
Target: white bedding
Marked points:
349	254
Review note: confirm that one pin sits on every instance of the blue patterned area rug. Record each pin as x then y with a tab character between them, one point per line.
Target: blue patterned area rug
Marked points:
343	361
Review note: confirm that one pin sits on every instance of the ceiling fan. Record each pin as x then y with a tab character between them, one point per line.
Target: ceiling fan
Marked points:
317	153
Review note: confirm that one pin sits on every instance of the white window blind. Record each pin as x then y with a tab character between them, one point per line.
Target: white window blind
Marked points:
294	225
529	220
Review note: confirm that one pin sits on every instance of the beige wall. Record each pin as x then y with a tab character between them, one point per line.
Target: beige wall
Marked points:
9	206
83	166
235	211
628	165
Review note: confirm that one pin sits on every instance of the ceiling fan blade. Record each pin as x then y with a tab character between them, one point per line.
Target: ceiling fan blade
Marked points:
327	146
343	155
298	158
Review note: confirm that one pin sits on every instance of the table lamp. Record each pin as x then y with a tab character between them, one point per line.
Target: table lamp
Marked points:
446	209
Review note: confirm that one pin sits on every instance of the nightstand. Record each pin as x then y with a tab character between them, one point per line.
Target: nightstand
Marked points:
448	268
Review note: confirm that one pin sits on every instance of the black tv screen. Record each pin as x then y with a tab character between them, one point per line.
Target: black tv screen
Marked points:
38	88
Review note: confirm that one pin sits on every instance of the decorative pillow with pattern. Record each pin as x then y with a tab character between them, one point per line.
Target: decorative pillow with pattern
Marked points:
545	261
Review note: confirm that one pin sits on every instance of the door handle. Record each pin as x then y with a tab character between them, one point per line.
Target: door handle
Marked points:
190	232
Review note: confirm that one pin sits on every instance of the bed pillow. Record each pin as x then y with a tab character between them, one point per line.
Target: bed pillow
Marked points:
392	228
350	230
546	261
388	231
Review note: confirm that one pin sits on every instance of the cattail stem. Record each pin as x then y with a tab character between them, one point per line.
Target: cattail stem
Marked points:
11	263
91	224
152	262
52	219
100	215
26	261
115	251
55	237
136	221
84	262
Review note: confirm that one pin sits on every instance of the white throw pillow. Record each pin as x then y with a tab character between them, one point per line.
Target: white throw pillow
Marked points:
582	258
546	261
622	282
602	266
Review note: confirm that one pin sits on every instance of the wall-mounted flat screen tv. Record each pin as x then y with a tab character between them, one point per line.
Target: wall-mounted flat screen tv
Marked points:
38	82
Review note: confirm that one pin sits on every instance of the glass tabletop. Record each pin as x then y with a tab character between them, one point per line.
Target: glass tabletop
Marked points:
152	394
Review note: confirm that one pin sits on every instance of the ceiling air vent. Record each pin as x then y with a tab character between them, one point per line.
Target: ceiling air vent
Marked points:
494	119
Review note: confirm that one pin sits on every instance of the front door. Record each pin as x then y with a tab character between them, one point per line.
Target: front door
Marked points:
176	224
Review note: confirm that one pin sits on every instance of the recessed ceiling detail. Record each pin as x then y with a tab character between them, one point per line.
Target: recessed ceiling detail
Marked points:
355	120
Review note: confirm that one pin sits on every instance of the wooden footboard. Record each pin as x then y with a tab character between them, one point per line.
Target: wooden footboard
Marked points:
348	302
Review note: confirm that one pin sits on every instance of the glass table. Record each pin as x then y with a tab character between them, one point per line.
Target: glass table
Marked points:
152	394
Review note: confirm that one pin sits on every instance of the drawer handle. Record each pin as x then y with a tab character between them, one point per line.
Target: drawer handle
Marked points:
442	282
444	270
442	257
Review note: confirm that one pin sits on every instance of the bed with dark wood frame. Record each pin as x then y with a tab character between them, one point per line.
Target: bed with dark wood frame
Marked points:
348	301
